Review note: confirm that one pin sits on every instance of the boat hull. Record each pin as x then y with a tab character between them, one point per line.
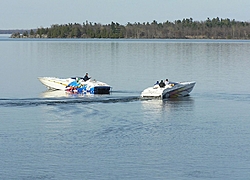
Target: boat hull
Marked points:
182	89
177	90
100	90
90	86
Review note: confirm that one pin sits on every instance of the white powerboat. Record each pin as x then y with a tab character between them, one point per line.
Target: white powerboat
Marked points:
76	84
173	89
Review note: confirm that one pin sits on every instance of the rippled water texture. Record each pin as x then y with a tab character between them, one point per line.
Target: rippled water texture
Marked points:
56	135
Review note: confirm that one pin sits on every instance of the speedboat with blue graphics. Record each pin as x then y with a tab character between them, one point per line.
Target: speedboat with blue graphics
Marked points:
76	85
172	89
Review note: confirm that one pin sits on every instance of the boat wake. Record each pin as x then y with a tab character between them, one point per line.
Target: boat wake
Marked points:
54	98
67	101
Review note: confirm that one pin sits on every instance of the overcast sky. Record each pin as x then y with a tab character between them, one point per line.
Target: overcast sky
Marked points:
28	14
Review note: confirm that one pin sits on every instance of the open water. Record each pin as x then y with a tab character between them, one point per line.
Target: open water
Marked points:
49	135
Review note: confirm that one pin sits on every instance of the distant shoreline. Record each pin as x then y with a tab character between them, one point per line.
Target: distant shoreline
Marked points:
12	31
215	28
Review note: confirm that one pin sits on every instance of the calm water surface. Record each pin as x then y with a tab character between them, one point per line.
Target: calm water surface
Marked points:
53	135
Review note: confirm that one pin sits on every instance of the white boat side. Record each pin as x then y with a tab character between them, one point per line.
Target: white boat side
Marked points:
54	83
93	86
174	89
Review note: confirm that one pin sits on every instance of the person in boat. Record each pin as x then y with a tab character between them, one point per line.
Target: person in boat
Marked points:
162	84
86	77
166	82
157	83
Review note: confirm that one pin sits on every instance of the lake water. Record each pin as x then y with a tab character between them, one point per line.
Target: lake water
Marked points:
48	135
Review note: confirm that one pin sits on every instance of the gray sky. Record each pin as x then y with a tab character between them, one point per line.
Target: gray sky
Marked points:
27	14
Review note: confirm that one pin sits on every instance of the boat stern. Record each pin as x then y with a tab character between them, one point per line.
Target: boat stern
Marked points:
100	90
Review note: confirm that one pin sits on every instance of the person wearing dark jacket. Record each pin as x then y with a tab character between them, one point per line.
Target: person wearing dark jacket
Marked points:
162	84
86	77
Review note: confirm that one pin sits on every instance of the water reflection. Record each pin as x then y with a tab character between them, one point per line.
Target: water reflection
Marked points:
58	93
155	106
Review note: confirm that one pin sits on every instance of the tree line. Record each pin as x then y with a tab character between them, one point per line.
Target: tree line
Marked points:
216	28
